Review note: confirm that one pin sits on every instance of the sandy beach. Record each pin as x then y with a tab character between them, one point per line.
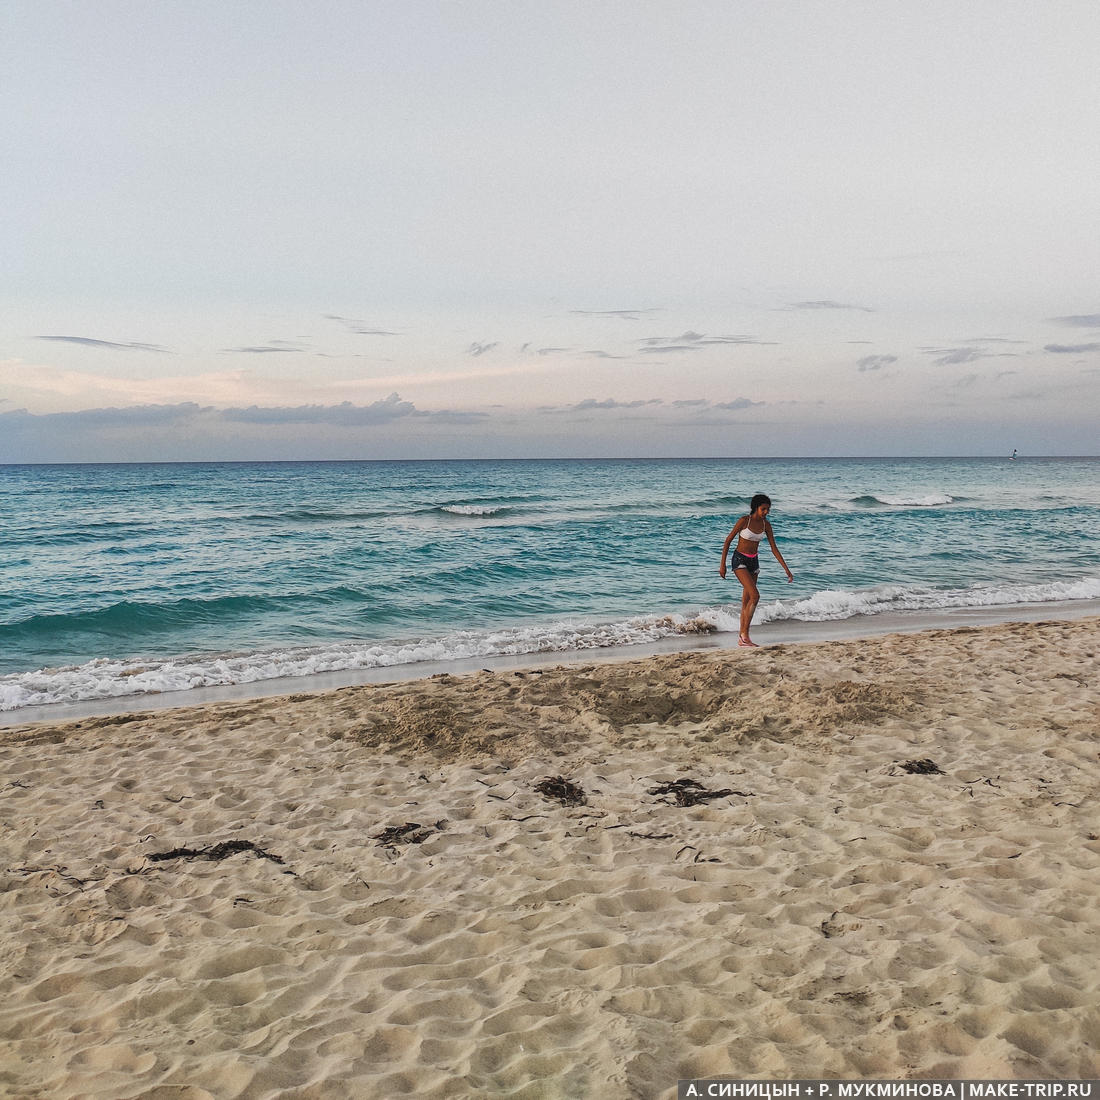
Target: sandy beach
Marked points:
863	858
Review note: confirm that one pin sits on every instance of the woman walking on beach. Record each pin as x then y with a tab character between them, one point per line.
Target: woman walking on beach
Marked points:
749	531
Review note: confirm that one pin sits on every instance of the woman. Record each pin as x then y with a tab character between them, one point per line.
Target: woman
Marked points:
749	531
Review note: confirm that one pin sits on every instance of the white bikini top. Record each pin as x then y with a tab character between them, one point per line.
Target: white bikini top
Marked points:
752	536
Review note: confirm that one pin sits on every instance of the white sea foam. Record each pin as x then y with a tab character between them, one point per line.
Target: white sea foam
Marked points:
924	500
839	604
929	500
473	509
107	679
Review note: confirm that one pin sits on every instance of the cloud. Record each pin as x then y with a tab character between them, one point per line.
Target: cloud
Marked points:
44	388
527	348
953	357
344	415
264	349
673	348
706	415
701	405
737	404
828	304
876	362
603	355
453	416
89	342
1079	320
359	327
950	357
191	431
692	341
135	416
590	404
476	349
707	340
610	403
1071	349
184	413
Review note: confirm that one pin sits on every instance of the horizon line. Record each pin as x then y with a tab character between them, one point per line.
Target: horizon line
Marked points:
574	458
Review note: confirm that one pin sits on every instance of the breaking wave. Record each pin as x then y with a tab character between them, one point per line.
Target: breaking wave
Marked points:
478	510
925	500
107	678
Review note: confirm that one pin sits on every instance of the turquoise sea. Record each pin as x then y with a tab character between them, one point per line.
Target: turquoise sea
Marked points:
125	579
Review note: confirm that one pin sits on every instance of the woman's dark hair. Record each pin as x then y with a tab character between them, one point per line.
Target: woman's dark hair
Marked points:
759	499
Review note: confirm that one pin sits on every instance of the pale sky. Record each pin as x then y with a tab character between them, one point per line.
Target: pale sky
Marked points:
525	229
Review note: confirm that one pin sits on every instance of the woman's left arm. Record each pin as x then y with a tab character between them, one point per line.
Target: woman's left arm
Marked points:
775	551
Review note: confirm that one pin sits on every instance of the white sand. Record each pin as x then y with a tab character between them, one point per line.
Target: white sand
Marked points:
834	915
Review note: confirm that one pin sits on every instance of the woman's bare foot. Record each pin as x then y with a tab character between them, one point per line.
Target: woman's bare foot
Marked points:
745	640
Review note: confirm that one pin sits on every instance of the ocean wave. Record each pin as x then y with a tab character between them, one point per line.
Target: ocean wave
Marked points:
304	515
106	678
477	510
879	500
126	617
597	508
732	505
845	604
46	537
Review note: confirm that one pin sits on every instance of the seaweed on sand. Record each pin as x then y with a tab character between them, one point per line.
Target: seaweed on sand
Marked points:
921	767
562	790
412	832
215	852
687	792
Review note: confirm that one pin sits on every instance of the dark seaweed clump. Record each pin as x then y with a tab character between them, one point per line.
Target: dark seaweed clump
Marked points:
214	852
412	832
921	767
687	792
561	790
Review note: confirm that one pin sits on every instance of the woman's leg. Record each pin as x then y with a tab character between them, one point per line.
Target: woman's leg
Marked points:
750	597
